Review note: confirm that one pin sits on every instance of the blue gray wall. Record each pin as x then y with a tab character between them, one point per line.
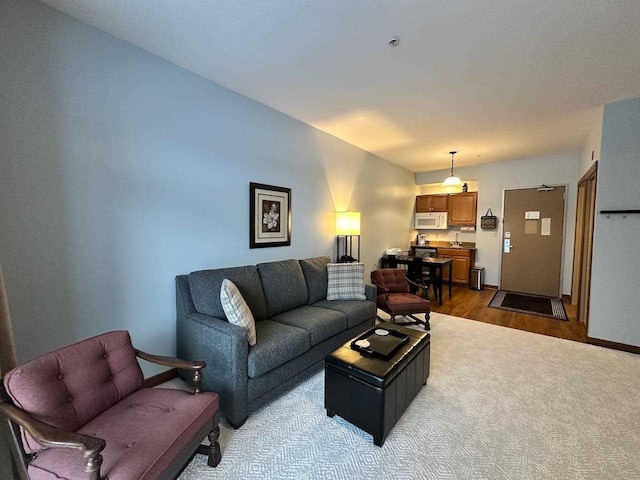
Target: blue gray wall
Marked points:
616	261
119	170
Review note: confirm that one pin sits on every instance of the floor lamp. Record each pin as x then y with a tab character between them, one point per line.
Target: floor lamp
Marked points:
347	227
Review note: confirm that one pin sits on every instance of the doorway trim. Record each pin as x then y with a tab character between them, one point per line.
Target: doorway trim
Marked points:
564	231
584	239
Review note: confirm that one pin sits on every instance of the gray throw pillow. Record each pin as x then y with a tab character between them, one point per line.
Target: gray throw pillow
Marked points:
346	281
237	310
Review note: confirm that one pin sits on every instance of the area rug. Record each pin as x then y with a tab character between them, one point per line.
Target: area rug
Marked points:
531	304
500	404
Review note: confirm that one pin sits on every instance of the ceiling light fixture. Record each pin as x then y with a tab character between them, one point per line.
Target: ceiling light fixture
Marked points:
451	180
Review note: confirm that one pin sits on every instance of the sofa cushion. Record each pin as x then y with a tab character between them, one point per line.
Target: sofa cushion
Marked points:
70	386
284	285
237	310
315	274
319	322
357	311
205	290
144	432
276	343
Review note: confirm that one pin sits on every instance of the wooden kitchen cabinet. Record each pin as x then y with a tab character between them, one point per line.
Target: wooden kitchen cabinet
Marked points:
463	208
432	203
463	260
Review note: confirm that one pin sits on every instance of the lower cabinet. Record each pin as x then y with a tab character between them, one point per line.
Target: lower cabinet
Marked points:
463	260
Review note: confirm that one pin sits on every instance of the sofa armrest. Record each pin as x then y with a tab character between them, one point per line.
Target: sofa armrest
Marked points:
370	291
53	437
225	349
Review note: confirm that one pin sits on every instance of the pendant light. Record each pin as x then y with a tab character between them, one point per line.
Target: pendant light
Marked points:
452	180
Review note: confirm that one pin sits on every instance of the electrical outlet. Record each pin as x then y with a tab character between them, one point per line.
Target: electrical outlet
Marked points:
494	234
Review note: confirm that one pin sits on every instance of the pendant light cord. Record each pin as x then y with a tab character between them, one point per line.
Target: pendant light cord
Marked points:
452	154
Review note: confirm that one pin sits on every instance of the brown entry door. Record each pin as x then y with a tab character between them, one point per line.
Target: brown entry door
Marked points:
532	241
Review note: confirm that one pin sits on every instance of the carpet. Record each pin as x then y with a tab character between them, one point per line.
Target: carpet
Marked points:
500	404
531	304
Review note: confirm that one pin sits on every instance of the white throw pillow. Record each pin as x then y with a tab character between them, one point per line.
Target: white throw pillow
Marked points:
346	281
237	310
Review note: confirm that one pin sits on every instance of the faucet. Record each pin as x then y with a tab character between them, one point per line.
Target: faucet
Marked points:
457	243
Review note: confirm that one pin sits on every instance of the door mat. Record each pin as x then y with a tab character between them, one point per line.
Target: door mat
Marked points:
531	304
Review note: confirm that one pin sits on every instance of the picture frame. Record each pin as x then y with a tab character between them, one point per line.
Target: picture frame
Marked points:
269	216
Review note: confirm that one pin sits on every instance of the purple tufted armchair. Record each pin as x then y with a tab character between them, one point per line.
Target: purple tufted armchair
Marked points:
82	410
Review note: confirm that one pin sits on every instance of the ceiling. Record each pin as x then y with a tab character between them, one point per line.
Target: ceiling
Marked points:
494	80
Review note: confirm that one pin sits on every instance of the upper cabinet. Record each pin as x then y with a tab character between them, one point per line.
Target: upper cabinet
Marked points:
463	208
432	203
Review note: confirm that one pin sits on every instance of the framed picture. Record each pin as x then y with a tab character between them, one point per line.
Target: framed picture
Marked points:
269	216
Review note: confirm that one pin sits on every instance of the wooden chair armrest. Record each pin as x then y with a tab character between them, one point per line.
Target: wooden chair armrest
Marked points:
386	291
414	283
196	366
53	437
171	361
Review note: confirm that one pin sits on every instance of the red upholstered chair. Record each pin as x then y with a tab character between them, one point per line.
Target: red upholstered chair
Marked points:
83	412
394	298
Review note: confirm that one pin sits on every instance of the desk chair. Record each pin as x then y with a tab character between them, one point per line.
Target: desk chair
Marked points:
419	276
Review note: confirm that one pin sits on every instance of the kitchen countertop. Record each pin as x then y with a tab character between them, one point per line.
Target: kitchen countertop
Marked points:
435	244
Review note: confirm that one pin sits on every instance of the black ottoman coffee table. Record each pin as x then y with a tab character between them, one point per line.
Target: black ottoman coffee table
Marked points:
372	393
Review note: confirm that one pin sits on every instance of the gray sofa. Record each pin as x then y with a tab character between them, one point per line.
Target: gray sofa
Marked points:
296	327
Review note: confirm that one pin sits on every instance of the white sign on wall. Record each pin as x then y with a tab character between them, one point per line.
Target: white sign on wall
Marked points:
532	215
546	227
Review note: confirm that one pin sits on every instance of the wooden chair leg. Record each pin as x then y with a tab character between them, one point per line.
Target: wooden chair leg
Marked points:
214	450
93	466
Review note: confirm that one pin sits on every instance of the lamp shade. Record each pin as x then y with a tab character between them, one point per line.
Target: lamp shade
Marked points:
452	181
348	223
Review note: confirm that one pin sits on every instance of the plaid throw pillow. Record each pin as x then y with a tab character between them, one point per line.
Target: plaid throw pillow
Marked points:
346	281
237	310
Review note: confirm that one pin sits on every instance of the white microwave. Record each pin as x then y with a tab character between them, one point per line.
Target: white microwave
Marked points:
431	221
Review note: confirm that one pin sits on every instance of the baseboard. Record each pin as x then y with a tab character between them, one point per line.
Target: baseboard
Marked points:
614	345
160	378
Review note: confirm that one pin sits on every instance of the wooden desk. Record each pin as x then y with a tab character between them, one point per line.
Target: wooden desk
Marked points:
435	266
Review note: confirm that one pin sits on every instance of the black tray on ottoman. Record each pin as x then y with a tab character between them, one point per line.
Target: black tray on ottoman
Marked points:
373	393
381	346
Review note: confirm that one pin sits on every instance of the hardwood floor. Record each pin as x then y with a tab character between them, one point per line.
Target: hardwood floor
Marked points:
473	304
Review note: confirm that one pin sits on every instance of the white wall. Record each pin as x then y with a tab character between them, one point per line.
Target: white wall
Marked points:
493	179
592	143
616	260
119	170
